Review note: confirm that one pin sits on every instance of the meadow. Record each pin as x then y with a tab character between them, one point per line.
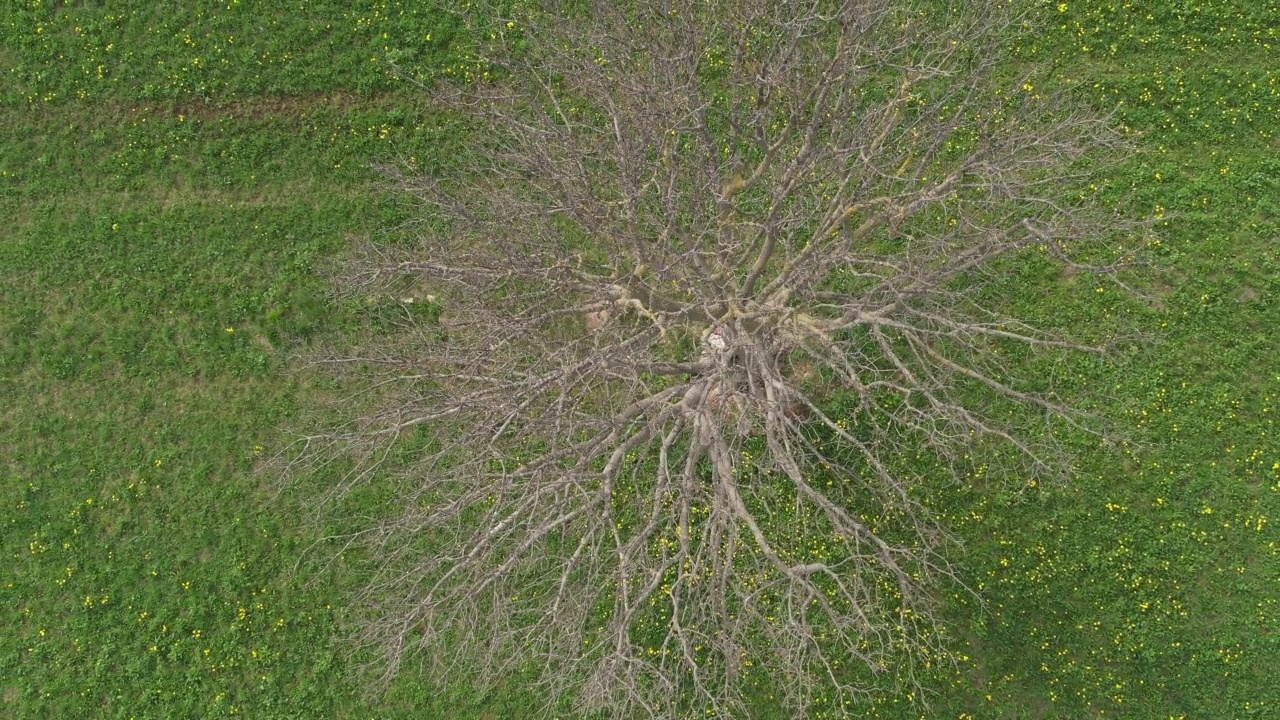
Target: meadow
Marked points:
175	184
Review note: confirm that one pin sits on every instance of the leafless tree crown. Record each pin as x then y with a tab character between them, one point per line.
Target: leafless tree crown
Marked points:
712	277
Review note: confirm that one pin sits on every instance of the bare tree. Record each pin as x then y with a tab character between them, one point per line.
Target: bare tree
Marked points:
713	279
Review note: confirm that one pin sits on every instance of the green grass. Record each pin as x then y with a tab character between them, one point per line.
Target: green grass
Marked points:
1147	586
159	266
166	224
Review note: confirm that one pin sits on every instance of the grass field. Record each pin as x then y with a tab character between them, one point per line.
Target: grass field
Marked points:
172	183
